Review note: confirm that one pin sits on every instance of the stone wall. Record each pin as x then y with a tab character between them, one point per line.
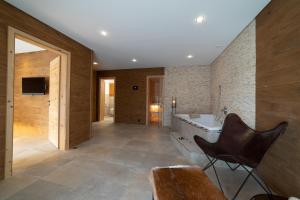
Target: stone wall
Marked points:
191	87
233	77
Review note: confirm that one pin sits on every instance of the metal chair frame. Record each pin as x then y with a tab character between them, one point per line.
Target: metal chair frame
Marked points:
212	162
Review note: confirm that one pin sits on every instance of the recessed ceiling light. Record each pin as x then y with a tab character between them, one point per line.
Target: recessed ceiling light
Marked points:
200	19
134	60
189	56
95	63
104	33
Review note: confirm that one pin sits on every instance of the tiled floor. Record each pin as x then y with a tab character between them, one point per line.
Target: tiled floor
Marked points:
114	165
30	150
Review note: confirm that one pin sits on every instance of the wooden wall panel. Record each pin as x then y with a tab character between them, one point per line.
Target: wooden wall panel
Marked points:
130	105
278	91
94	100
3	71
31	112
102	101
111	89
80	75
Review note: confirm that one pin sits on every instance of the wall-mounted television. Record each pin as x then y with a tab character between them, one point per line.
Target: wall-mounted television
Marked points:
34	86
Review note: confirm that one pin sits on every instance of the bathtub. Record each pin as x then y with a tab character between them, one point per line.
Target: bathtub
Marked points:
185	126
205	121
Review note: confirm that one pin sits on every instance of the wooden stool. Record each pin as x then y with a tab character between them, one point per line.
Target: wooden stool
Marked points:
183	183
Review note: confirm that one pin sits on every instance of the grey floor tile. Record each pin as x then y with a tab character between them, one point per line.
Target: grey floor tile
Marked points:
42	190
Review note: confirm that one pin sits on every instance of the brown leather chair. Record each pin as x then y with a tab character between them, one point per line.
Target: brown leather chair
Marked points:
240	144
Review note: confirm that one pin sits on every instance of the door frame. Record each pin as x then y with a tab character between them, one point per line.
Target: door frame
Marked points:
64	107
162	96
107	78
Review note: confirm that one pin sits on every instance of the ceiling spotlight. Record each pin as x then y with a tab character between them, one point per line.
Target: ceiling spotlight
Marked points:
200	19
189	56
104	33
95	63
134	60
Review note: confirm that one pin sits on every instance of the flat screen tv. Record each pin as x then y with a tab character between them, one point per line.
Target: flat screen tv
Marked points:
33	86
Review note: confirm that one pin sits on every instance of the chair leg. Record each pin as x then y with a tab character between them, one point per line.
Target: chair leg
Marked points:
261	183
233	168
218	178
211	163
241	186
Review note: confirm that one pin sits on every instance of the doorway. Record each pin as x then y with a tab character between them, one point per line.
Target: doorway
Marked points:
37	101
107	99
154	101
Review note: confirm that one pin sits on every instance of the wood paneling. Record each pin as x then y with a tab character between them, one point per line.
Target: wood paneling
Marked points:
278	91
94	97
80	75
54	83
130	105
111	89
102	100
3	72
31	112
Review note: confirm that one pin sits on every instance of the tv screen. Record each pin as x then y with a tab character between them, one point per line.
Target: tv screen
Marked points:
33	86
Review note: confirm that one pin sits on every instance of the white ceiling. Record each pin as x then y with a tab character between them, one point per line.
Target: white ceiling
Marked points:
25	47
155	32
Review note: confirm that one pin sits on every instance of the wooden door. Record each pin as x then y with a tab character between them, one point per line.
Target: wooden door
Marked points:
160	92
111	89
155	103
102	99
54	86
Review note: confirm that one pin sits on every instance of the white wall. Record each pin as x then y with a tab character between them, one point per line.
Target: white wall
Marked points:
235	71
191	86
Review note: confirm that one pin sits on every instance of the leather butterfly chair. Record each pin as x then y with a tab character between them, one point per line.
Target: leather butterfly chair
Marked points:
240	144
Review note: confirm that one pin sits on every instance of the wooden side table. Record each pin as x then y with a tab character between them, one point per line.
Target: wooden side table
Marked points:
183	182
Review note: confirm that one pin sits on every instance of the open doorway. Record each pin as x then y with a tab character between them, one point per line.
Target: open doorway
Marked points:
107	99
36	94
154	101
37	101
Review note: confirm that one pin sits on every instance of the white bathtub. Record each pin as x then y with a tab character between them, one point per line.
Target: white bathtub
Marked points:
206	121
186	126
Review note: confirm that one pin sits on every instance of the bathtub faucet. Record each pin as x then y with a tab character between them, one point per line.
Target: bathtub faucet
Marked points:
225	110
219	117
